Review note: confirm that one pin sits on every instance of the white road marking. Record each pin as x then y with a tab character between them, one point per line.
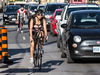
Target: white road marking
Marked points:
30	71
24	38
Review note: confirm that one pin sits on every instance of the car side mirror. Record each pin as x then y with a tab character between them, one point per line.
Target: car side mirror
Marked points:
64	26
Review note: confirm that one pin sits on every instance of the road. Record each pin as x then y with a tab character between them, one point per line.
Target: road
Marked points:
53	64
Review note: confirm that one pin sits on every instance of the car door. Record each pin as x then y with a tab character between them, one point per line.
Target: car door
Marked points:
51	23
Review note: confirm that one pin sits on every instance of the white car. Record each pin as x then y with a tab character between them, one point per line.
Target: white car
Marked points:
64	17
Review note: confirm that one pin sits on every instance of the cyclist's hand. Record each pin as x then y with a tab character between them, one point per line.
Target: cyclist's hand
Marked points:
46	37
31	39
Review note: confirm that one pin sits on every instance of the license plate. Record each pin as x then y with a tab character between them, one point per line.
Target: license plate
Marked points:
96	49
13	19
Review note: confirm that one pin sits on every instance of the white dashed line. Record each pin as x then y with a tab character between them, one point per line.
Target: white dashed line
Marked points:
30	71
24	38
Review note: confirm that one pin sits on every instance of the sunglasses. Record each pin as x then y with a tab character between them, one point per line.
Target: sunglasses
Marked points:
40	14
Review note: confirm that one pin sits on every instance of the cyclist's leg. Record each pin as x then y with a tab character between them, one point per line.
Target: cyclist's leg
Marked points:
32	48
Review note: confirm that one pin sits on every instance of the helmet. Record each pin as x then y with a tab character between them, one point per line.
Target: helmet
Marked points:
38	11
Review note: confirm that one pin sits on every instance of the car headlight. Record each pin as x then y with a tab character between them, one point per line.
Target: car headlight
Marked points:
5	15
47	16
32	12
77	38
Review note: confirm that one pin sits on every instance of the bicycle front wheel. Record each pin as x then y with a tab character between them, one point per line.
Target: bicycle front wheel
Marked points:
39	57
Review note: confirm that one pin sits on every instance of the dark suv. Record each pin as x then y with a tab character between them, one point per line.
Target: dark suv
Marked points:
10	14
49	10
82	35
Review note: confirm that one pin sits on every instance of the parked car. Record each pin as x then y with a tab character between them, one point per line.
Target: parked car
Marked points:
10	14
49	10
64	17
53	20
31	9
41	6
82	35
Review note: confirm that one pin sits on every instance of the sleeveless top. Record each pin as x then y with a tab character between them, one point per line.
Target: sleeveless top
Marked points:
37	27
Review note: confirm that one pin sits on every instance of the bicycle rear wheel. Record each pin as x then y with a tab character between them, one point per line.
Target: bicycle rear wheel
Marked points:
35	58
39	57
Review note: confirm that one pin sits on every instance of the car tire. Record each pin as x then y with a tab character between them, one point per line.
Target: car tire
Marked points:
69	59
58	42
4	23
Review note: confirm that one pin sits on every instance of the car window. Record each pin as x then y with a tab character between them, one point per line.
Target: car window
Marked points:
11	9
32	8
58	13
52	8
80	8
86	20
26	6
62	13
41	7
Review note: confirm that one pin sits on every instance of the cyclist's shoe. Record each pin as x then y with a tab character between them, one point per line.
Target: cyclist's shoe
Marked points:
31	60
21	31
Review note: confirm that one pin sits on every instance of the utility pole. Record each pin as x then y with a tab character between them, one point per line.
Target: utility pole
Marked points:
3	5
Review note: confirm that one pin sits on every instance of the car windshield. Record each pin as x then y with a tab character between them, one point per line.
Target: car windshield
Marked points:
52	8
58	13
81	8
32	8
26	6
11	9
41	7
86	20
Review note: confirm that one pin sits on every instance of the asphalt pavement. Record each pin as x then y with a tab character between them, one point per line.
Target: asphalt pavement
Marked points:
53	64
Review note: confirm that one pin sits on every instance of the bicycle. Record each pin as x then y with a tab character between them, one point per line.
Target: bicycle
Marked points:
20	23
37	50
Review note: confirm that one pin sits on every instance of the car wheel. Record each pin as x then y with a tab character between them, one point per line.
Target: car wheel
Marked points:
4	23
69	59
58	42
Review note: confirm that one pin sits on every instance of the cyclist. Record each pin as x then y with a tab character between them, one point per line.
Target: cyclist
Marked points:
38	22
21	13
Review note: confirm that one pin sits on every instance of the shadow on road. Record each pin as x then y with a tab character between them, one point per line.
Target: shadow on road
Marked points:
47	67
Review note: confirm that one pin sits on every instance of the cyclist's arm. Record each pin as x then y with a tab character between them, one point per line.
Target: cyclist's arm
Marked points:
17	14
45	27
24	14
31	27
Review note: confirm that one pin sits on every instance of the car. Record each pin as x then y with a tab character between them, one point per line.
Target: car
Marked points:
49	10
26	7
64	17
31	10
82	35
10	14
53	20
41	6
